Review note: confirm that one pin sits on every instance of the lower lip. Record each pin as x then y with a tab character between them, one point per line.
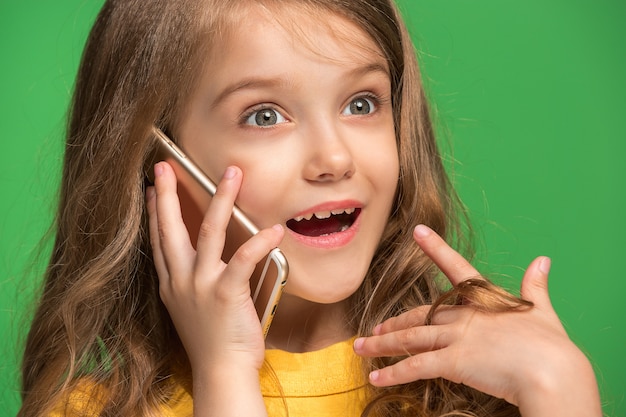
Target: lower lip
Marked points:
331	241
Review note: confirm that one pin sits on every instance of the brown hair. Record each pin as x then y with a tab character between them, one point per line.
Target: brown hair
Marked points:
100	316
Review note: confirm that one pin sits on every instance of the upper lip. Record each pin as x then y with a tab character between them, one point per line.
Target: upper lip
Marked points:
324	210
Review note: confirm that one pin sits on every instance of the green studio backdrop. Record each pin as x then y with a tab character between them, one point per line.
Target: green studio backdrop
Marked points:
529	99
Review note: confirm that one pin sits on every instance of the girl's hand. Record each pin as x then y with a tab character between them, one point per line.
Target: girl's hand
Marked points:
207	299
522	356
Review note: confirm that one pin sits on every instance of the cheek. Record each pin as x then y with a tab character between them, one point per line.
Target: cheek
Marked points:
380	160
388	165
265	186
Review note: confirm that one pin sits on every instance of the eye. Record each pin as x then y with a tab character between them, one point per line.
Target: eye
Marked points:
359	106
264	117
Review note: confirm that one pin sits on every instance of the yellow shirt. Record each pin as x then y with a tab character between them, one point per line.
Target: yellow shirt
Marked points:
327	382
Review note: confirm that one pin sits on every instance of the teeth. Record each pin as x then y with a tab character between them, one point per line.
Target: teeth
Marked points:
307	217
324	214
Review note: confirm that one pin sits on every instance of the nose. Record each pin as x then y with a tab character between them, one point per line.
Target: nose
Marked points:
329	158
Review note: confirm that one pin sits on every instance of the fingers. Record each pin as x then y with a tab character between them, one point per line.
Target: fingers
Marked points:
242	264
428	365
170	240
450	262
409	341
406	334
173	252
457	269
415	317
157	254
535	282
212	233
429	352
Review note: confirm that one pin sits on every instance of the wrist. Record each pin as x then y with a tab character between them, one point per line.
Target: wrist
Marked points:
227	389
565	388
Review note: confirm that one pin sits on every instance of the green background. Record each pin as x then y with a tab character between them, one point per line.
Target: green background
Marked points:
531	96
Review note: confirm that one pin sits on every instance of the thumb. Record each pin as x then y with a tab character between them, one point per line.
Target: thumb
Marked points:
535	282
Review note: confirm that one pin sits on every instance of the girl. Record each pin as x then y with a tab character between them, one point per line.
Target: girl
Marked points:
313	115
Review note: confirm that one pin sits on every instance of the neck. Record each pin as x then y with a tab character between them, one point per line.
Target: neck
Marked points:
303	326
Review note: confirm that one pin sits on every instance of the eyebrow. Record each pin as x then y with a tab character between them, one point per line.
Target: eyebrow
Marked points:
253	82
259	82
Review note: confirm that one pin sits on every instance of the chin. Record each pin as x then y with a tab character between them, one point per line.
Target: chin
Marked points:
325	288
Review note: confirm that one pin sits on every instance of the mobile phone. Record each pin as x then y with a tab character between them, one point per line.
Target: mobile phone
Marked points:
195	190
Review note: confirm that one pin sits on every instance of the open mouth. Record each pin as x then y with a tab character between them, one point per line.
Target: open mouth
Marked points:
324	223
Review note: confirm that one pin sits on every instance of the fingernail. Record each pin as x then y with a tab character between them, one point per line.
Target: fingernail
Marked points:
545	264
230	173
278	227
358	343
377	330
422	231
374	375
158	170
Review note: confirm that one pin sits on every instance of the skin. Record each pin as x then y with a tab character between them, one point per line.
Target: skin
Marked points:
318	153
524	357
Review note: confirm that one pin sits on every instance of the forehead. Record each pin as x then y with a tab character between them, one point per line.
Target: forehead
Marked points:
320	32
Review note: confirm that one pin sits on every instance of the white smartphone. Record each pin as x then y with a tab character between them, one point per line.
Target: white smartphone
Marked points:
195	190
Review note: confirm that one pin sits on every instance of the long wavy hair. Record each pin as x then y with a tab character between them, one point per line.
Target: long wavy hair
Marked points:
100	316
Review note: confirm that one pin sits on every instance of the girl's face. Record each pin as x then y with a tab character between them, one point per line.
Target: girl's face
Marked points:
308	119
